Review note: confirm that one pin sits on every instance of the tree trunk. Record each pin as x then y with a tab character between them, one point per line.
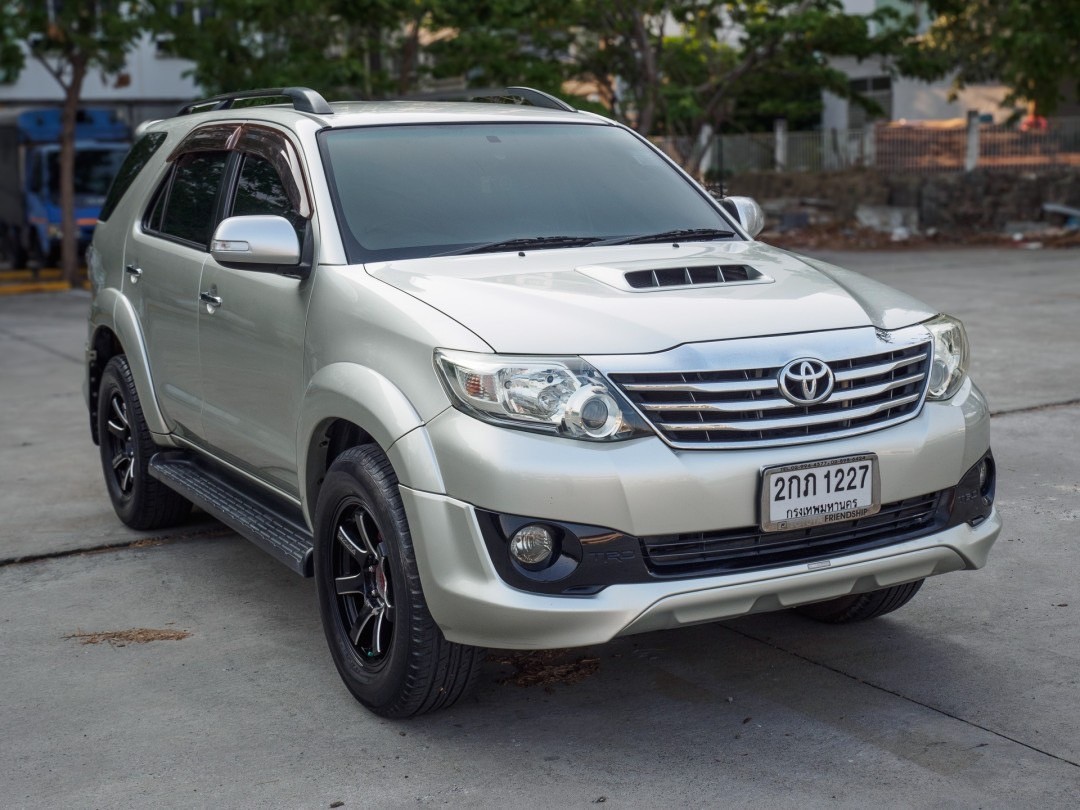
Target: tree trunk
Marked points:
410	49
69	244
650	72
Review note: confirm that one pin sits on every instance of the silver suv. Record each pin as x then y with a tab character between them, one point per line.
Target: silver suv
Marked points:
503	375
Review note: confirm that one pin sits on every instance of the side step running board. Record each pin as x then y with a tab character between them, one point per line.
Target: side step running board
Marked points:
274	526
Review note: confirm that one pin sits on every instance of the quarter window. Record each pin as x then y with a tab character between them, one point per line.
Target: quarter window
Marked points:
134	163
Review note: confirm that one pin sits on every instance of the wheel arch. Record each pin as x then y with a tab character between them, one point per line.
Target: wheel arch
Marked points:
347	405
116	331
104	346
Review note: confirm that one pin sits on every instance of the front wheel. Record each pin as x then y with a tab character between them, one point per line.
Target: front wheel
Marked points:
861	606
385	644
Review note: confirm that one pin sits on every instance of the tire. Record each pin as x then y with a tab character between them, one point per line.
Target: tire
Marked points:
52	257
861	606
385	644
19	257
11	241
140	501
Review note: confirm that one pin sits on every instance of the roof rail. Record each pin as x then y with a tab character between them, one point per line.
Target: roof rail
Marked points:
534	98
303	99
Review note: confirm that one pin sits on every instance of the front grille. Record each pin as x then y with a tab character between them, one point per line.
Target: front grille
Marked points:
744	407
703	553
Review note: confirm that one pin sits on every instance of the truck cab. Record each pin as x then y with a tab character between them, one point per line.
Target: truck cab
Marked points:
30	215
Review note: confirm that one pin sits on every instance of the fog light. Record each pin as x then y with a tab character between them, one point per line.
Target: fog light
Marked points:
986	477
532	545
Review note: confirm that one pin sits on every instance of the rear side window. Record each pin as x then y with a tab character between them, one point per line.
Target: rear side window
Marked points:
190	201
134	163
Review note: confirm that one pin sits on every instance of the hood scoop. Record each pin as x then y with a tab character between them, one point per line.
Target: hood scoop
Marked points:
675	277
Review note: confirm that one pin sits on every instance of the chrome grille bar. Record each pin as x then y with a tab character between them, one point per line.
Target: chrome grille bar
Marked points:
798	421
880	368
733	387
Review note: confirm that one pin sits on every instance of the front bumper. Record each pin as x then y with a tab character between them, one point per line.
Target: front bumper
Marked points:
646	488
472	605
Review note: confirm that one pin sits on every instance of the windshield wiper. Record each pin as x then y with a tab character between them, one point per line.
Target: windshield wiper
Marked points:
677	235
524	242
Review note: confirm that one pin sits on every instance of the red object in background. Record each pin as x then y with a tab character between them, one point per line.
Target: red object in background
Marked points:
1034	123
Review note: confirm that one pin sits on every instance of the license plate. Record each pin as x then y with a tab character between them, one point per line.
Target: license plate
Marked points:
818	492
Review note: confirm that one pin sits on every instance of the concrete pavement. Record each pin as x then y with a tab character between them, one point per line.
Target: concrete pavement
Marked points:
52	497
967	697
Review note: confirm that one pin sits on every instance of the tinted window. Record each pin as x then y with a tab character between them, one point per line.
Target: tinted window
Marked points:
259	190
134	163
408	191
192	196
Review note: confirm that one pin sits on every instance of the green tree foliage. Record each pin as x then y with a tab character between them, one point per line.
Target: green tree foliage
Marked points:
501	42
346	48
70	38
1030	46
675	67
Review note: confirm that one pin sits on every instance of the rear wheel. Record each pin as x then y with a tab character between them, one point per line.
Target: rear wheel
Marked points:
141	501
385	644
861	606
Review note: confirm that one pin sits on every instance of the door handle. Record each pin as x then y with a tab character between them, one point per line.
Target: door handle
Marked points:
134	272
212	301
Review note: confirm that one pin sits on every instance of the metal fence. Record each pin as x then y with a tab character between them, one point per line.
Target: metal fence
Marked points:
901	149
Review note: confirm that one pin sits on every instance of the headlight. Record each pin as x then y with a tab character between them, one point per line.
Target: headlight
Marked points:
564	396
950	356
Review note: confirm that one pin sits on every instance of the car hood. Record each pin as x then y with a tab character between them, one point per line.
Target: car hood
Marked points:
575	302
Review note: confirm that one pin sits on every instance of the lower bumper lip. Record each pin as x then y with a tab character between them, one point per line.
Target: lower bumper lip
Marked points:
473	605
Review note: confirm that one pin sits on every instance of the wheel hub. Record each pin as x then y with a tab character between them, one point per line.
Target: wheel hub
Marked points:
364	586
121	443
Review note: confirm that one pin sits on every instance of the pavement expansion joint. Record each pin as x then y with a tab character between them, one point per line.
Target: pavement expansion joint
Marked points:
208	531
37	345
1048	406
902	696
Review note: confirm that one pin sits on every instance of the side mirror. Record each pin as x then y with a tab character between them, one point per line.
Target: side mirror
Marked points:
747	211
256	240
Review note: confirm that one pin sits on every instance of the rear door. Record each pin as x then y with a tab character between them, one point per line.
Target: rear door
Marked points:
163	260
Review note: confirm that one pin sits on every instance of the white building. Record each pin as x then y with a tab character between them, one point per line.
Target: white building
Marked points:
153	85
902	98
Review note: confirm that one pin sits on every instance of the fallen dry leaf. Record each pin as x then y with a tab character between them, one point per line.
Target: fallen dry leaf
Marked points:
137	635
545	667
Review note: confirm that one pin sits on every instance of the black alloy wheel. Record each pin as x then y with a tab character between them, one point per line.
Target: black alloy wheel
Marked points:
364	583
121	445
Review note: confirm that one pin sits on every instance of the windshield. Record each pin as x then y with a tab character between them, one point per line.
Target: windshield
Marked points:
412	191
94	171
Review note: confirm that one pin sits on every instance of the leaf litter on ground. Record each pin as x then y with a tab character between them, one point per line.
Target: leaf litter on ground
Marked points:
137	635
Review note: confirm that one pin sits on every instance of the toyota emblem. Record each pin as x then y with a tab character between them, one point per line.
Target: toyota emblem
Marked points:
806	381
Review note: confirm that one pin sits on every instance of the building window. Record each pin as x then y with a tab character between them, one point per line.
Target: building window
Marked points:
875	88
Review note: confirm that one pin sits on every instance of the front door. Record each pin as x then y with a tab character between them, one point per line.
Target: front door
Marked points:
252	344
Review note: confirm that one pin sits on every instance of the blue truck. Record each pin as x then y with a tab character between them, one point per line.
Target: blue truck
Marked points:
30	225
